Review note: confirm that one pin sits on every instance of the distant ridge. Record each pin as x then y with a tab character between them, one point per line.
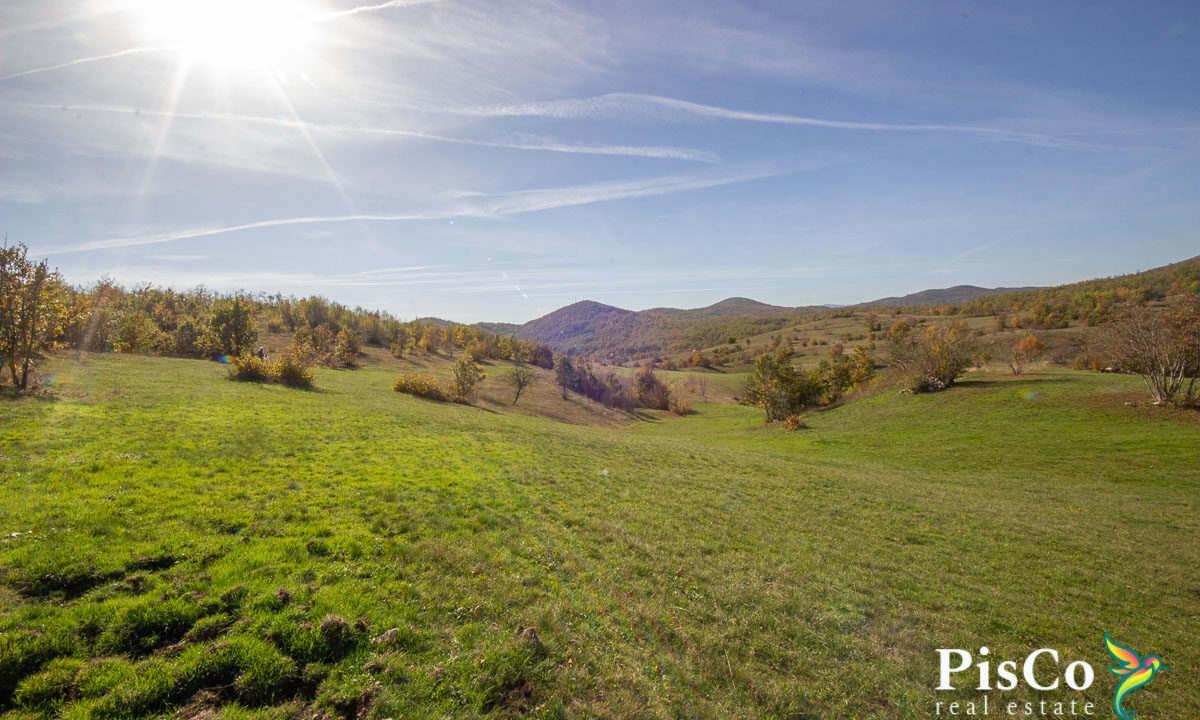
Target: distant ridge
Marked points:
604	330
727	307
939	296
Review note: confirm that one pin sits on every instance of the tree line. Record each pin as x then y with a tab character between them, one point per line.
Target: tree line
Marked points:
40	312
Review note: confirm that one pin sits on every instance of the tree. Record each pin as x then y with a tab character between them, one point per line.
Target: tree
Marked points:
933	358
346	348
564	374
33	310
1162	347
467	375
520	378
899	331
233	328
1024	351
777	387
648	390
431	340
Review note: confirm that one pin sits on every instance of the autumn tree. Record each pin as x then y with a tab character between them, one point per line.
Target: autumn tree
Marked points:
346	349
32	311
431	340
1023	352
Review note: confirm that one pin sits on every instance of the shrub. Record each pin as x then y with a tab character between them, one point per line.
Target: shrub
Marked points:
934	357
467	376
1162	347
292	369
777	387
794	422
316	343
346	349
1089	360
250	368
679	401
421	385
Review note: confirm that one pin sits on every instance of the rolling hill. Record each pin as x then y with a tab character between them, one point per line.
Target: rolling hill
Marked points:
939	296
600	329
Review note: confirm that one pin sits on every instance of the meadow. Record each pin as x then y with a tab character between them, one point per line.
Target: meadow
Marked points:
175	543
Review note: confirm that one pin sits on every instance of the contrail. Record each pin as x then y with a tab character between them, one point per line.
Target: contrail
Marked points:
617	104
84	61
474	205
664	152
209	232
371	8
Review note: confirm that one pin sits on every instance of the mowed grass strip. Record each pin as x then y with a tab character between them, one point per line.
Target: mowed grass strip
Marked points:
173	539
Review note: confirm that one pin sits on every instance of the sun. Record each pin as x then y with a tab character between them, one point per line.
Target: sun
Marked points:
232	34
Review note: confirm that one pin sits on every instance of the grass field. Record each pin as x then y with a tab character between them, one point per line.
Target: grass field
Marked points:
175	542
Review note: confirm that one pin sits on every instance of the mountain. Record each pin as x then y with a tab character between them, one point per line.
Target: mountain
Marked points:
939	296
726	308
596	328
589	326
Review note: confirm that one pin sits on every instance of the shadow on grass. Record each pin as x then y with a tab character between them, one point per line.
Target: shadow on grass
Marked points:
981	384
41	394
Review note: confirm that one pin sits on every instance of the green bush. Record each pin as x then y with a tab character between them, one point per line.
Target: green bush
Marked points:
292	369
250	368
422	385
467	376
346	349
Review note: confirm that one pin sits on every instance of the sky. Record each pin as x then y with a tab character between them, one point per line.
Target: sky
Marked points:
493	160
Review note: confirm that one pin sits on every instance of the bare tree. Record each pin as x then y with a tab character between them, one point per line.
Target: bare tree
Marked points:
1161	346
520	379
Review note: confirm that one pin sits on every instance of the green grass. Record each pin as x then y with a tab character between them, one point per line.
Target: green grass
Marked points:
172	538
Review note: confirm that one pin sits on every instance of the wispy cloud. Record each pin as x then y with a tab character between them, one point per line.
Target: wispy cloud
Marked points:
665	152
468	204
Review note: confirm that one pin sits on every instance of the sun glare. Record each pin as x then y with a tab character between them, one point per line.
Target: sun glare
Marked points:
230	33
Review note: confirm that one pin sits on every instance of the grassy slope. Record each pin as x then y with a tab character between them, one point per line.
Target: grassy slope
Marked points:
706	567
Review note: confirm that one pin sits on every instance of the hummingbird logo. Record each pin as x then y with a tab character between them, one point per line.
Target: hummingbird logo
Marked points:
1135	671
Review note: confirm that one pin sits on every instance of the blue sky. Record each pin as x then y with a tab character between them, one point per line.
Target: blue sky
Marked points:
496	160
